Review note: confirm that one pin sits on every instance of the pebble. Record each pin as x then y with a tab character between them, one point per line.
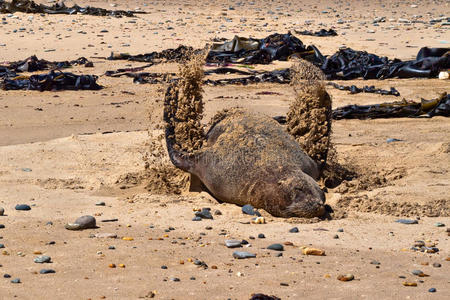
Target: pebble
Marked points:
276	247
242	255
164	267
2	211
407	221
2	246
111	247
406	283
196	219
313	251
17	280
392	140
261	236
205	213
340	230
47	271
106	235
2	226
439	224
436	265
374	262
101	203
174	279
217	212
6	276
42	259
259	220
294	230
335	236
233	243
23	207
84	222
346	277
432	290
250	210
444	75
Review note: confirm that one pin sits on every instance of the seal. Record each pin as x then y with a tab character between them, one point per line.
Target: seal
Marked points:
244	158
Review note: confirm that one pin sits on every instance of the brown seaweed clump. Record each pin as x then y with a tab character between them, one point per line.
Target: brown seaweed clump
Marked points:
185	109
309	116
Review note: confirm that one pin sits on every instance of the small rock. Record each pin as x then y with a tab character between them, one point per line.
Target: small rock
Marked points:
196	219
2	226
111	247
436	265
444	75
6	276
439	224
242	255
2	211
164	267
374	262
250	210
407	221
346	277
340	230
276	247
23	207
174	279
106	235
17	280
101	203
217	212
261	236
293	230
313	251
406	283
392	140
47	271
233	243
2	246
42	259
335	236
205	213
84	222
432	290
259	220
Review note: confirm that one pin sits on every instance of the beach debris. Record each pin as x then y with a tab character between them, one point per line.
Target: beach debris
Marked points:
321	33
398	109
353	89
27	6
54	80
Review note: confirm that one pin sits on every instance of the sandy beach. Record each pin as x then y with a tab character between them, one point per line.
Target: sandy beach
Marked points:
102	153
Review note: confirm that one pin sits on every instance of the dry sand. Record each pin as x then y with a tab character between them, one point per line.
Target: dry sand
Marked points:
58	161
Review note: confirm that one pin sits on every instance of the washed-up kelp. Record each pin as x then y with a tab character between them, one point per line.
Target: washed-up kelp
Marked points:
365	89
278	76
349	64
261	51
27	6
51	81
398	109
32	64
168	55
320	33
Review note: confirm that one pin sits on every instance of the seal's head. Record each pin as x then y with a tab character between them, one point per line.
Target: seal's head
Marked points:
305	198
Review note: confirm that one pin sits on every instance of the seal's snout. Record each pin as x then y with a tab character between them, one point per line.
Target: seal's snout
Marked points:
306	208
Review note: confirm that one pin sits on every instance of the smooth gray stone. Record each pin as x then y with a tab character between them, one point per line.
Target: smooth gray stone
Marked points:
242	255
